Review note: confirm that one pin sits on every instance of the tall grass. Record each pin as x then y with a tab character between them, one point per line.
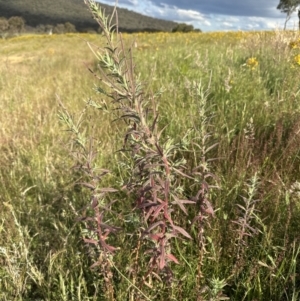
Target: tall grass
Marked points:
236	132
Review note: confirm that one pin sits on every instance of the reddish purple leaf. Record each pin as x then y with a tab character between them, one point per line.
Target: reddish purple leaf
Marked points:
182	231
209	208
168	217
107	247
95	264
158	210
90	241
172	258
94	202
162	262
88	185
156	236
181	202
162	255
149	213
154	226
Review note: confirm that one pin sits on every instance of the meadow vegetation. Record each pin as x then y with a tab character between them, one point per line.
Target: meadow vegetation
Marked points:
214	126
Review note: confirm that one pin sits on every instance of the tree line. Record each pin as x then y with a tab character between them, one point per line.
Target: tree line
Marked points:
16	25
11	26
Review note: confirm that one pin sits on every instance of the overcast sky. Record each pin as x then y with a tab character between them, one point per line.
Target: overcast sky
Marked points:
214	15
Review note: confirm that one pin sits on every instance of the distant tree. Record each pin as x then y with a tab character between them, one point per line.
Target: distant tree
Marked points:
49	28
40	28
59	29
182	27
288	7
16	25
69	27
4	26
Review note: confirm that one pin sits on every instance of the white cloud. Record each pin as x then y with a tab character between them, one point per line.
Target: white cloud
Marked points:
226	24
190	14
213	15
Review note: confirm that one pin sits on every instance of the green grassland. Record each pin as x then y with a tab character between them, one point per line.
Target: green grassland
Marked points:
248	102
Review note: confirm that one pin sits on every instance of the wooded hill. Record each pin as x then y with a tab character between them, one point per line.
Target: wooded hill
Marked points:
53	12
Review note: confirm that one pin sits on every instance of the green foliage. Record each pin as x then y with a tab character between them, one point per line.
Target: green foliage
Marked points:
4	26
59	29
12	26
69	27
16	24
182	27
288	7
41	28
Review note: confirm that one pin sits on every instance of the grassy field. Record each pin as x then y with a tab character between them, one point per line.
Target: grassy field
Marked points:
230	103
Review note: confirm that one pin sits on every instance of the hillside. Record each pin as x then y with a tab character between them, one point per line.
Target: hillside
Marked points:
52	12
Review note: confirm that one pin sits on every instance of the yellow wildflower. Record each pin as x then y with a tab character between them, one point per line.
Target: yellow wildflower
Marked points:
297	59
252	63
293	45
